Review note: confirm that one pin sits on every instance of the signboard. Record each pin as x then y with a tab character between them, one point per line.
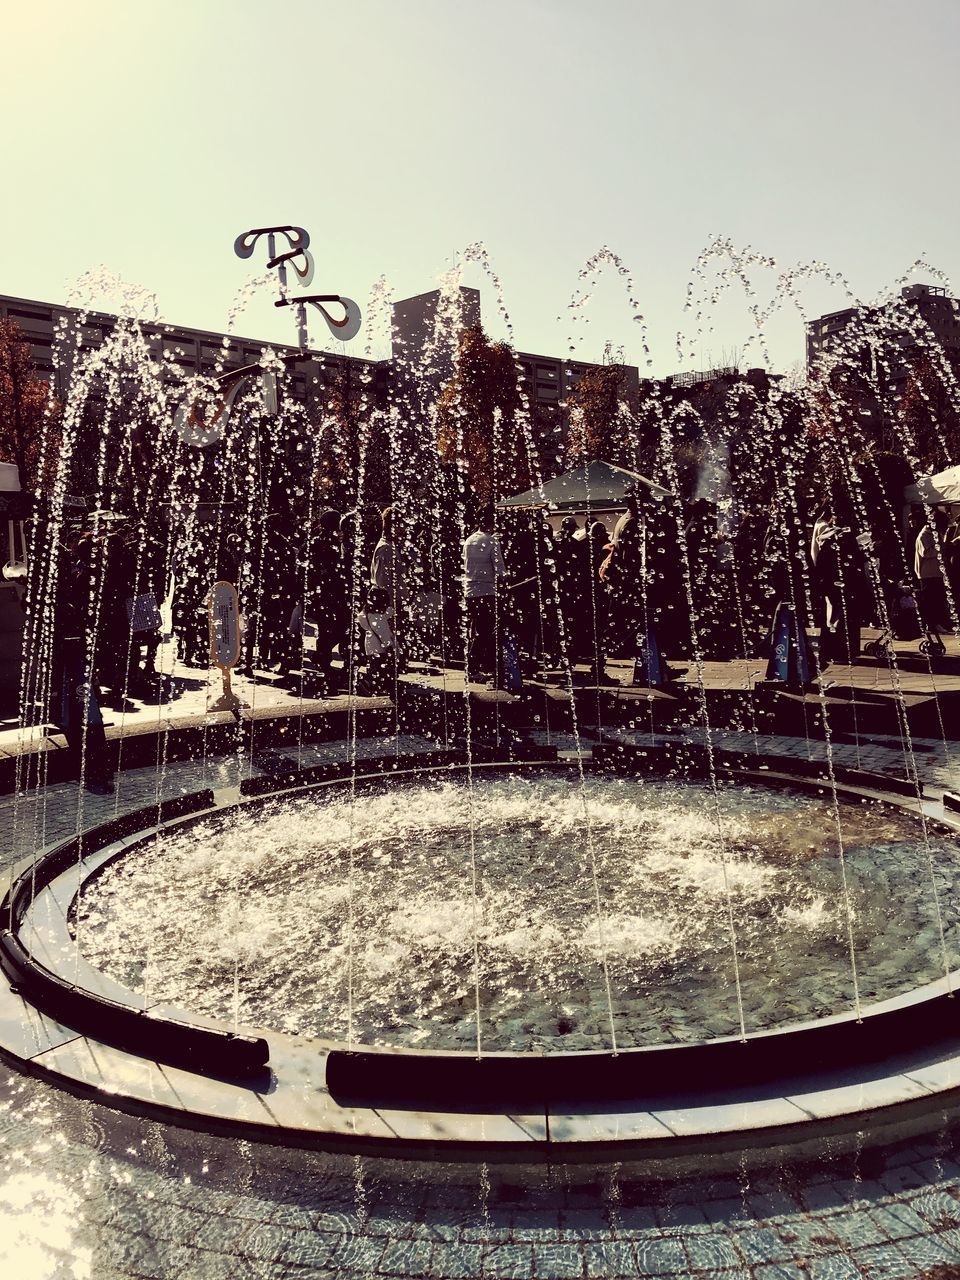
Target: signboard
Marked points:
225	640
224	625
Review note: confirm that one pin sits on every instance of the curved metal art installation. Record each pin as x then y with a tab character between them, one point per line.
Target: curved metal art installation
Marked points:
202	425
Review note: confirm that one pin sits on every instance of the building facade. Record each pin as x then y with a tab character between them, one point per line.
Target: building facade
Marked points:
417	370
924	316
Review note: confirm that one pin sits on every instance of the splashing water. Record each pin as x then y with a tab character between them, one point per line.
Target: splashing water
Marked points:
664	895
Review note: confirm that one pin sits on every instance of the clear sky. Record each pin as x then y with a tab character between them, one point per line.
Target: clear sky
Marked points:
145	136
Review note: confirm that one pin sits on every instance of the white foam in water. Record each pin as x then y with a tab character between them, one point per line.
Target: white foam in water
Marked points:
267	889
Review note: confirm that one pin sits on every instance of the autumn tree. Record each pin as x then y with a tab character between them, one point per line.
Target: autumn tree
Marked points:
843	418
24	404
602	425
480	424
354	441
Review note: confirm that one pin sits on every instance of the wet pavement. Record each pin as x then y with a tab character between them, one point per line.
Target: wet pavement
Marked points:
89	1194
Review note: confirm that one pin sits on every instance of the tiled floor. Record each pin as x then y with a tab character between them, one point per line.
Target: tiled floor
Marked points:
934	762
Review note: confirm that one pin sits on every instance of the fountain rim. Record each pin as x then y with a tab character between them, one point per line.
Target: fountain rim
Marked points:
498	1087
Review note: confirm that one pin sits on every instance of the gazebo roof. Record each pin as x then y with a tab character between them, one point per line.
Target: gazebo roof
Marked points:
943	487
596	486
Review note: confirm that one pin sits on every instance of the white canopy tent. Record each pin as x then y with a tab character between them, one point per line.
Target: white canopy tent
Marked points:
13	557
933	490
596	487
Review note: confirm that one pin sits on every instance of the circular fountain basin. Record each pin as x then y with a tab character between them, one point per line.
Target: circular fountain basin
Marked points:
663	1099
613	913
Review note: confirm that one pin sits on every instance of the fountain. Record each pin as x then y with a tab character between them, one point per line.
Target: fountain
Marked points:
640	877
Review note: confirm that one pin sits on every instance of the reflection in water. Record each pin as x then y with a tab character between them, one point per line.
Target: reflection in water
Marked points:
30	1199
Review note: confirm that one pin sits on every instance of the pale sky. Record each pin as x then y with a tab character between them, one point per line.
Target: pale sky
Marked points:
146	136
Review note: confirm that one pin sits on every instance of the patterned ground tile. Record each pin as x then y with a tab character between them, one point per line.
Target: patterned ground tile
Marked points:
508	1261
358	1254
886	1262
611	1258
544	1226
898	1220
190	1264
661	1257
856	1229
926	1252
938	1169
584	1224
736	1273
307	1249
938	1209
763	1244
705	1251
727	1210
902	1179
406	1258
680	1215
457	1262
636	1217
83	1187
836	1266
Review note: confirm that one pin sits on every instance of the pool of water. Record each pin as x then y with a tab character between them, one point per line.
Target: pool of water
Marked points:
564	915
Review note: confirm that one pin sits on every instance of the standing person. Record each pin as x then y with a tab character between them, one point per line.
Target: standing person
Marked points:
824	532
951	556
382	566
596	599
130	613
928	568
190	623
523	556
668	609
483	566
275	558
114	640
379	643
79	715
748	563
331	600
625	573
840	572
782	578
711	581
353	529
571	556
384	573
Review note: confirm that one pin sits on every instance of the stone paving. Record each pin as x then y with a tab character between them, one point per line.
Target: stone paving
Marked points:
56	812
189	692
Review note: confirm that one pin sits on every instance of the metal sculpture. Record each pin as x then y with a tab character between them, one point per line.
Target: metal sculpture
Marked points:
200	429
344	329
297	238
299	257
